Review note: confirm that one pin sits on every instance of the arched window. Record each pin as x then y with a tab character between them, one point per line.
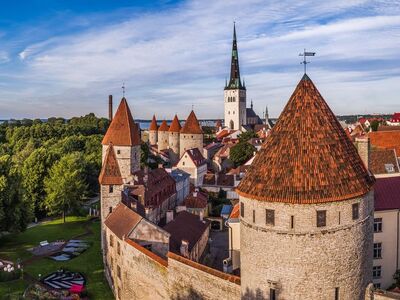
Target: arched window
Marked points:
231	124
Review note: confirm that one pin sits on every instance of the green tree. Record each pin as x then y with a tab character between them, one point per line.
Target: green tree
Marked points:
241	152
14	213
245	136
374	125
65	186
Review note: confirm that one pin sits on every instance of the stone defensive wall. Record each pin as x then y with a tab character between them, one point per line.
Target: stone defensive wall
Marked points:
137	273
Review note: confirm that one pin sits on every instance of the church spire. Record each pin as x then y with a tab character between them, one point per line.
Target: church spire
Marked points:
234	81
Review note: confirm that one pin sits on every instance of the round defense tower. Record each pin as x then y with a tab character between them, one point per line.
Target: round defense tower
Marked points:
163	136
306	209
191	135
153	131
173	139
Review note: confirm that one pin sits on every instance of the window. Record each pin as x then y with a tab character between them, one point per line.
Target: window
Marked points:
321	218
254	216
272	294
119	272
377	250
148	247
377	224
110	210
110	189
242	209
270	217
356	208
291	222
336	293
339	217
377	285
118	151
118	248
389	168
111	241
376	272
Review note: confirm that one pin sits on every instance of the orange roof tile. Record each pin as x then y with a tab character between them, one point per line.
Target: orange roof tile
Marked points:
386	140
122	131
153	125
175	125
192	125
307	157
235	212
163	126
122	220
110	173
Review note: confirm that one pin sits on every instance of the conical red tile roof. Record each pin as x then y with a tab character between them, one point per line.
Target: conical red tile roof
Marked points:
175	125
153	125
307	157
123	130
110	173
163	126
192	125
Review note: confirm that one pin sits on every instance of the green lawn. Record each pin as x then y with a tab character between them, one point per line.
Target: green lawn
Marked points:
12	289
89	263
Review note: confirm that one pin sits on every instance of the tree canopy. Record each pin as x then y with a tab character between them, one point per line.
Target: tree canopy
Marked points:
241	152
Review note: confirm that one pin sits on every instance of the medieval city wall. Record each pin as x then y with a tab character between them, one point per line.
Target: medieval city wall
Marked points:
173	141
163	140
153	137
306	260
137	273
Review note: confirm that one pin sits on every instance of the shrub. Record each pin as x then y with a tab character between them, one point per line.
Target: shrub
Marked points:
8	276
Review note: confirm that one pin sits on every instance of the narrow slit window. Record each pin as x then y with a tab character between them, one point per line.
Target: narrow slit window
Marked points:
291	222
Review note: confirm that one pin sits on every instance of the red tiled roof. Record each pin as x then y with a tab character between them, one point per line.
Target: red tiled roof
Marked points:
235	212
163	126
185	226
307	157
110	173
122	131
153	125
388	128
196	200
175	125
395	118
387	193
379	158
386	140
192	125
196	156
152	188
122	220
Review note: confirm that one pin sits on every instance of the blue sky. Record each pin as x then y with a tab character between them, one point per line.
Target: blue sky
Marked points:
63	58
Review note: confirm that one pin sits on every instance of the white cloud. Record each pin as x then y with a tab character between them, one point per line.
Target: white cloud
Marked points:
175	58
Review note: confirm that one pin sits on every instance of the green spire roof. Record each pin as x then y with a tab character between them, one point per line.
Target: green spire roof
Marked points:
234	81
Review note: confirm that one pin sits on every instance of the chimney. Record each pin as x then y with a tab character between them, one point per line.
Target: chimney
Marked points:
185	248
110	107
170	216
201	216
364	149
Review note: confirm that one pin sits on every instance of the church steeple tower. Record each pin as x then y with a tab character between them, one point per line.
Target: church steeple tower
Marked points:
235	92
234	81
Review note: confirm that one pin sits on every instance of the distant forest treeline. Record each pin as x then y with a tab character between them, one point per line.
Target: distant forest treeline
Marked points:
46	168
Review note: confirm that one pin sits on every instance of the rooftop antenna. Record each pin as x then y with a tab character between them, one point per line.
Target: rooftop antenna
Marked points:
305	62
123	89
193	107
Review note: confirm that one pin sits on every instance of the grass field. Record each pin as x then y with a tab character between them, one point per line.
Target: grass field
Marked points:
88	263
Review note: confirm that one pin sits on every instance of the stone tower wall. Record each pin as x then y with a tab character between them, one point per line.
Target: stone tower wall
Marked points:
153	135
189	141
235	108
307	262
173	142
163	140
128	158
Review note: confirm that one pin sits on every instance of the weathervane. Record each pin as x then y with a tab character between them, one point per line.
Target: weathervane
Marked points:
305	62
123	89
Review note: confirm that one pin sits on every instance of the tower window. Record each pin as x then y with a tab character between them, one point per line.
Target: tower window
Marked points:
110	209
321	218
111	241
272	294
119	272
118	151
254	216
242	209
376	272
110	189
377	224
356	211
270	217
339	217
291	222
336	293
377	250
118	248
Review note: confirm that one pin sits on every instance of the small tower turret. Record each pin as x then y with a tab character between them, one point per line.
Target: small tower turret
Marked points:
174	140
163	136
153	131
191	135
